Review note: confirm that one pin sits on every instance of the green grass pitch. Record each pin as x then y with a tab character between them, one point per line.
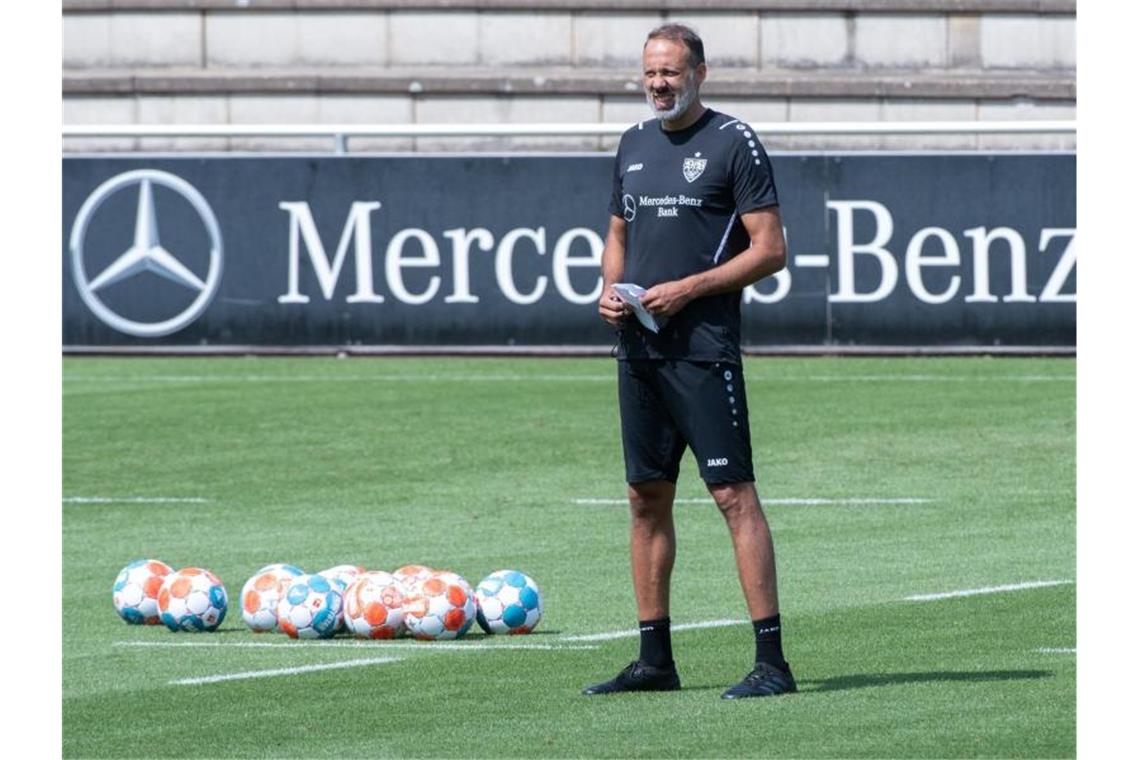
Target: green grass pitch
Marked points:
967	466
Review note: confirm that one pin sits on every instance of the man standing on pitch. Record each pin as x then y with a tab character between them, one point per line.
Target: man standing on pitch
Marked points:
694	220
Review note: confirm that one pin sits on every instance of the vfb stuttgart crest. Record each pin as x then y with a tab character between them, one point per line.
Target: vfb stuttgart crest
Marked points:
693	167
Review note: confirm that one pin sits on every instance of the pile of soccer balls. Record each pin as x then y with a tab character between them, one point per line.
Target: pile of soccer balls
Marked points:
415	600
150	591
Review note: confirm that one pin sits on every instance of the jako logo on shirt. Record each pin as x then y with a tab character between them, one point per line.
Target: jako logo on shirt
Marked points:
634	168
717	462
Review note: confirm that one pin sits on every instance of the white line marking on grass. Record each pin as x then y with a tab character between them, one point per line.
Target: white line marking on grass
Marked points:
606	636
766	502
134	500
422	646
841	502
911	378
1051	650
282	671
424	378
543	377
589	501
985	590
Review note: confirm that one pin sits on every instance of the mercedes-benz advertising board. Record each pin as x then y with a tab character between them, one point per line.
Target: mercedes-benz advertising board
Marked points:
927	251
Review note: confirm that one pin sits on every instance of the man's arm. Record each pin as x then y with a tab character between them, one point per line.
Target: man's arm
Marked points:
611	308
766	255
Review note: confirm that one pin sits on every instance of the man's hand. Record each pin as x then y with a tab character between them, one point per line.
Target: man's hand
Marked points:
612	309
766	255
667	298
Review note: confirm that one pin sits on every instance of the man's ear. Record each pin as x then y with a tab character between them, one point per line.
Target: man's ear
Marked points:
702	72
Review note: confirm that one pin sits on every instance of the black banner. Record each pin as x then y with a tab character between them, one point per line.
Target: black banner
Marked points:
929	250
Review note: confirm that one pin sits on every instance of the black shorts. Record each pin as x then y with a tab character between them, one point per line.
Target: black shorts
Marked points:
669	404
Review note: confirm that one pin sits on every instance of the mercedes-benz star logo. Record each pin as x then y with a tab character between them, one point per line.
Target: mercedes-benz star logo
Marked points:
628	207
147	253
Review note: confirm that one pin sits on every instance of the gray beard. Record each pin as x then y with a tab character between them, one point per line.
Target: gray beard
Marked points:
680	105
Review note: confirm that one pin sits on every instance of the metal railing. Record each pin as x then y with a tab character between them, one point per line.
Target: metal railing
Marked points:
340	133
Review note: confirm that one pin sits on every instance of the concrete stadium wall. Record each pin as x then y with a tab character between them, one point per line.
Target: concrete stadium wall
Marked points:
439	61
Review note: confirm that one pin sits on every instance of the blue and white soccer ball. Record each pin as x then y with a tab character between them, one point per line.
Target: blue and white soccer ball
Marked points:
342	576
312	607
135	593
192	599
346	574
508	602
281	567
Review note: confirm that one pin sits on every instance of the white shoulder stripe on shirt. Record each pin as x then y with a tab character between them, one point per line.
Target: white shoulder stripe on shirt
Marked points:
723	239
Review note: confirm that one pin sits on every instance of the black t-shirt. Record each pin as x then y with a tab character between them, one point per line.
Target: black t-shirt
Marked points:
681	194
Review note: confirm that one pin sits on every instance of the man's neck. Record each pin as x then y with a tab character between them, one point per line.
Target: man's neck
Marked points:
685	120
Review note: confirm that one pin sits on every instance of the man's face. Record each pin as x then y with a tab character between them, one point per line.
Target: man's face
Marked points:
671	83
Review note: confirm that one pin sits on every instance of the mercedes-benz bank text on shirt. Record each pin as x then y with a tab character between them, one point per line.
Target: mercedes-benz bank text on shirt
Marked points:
681	194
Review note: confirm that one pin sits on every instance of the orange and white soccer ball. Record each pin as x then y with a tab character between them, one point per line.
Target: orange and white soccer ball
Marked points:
192	599
135	593
374	606
262	592
452	577
411	576
442	607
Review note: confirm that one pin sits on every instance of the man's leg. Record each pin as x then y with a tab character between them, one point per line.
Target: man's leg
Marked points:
752	543
716	427
652	447
652	549
652	546
756	567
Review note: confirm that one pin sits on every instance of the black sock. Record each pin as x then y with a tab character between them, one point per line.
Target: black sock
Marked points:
768	648
656	646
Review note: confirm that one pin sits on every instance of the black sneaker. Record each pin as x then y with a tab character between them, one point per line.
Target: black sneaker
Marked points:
764	681
638	676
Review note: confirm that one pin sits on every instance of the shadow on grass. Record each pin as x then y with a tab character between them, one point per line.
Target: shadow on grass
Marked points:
476	635
229	631
866	680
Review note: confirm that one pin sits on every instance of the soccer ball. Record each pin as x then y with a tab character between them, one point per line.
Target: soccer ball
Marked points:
192	599
312	607
374	606
450	577
412	575
279	567
342	587
443	607
342	577
135	593
344	573
260	594
508	602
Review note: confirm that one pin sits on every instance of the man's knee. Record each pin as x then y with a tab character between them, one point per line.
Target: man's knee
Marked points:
651	499
736	501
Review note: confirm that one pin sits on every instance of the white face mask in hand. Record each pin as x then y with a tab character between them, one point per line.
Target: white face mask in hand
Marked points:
631	294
